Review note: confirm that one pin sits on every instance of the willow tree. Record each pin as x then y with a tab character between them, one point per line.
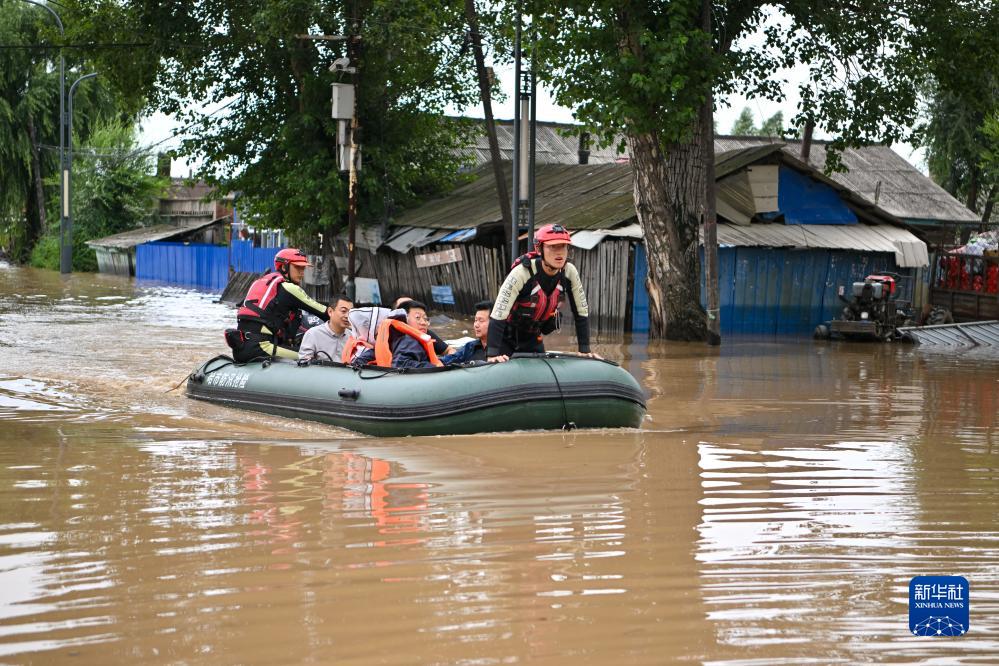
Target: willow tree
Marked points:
29	122
642	69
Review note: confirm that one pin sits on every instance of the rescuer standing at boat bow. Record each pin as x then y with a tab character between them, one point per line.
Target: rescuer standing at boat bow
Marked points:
271	312
527	303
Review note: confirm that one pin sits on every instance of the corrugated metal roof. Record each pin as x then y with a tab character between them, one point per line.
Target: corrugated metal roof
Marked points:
907	248
589	239
406	238
876	174
960	336
556	144
157	232
592	196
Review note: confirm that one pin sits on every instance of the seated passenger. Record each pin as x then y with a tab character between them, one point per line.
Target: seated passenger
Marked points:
364	323
402	340
476	349
327	342
440	346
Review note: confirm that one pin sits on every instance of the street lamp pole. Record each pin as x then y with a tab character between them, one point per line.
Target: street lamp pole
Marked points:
66	249
65	257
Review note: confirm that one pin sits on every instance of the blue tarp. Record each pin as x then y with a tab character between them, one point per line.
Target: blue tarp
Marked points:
804	200
458	236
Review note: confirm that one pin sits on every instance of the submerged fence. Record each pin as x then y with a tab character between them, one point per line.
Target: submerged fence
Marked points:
199	265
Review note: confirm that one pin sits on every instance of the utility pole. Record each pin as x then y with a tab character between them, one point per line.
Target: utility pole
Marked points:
522	145
353	53
485	91
532	155
69	174
344	111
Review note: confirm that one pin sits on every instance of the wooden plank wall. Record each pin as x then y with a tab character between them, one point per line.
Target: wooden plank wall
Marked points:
475	278
605	275
604	271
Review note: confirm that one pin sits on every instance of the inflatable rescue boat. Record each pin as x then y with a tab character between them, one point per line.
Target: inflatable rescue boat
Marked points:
528	392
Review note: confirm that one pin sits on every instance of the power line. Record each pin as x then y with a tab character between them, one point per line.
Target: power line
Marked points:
149	149
95	45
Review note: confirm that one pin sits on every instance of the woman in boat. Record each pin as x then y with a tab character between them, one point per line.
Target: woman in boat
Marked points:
526	307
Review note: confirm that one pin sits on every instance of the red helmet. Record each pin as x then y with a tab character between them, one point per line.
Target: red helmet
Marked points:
550	233
289	256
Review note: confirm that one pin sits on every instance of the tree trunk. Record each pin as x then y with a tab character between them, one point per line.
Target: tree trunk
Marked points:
990	202
669	191
707	119
487	108
972	200
36	226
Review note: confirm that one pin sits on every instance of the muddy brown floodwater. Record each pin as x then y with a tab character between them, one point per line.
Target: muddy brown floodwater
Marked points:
772	509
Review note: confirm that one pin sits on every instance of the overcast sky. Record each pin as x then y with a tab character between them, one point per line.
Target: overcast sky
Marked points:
159	127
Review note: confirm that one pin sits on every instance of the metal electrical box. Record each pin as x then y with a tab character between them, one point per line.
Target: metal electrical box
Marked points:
343	101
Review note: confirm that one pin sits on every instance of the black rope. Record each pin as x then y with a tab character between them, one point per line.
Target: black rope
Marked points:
384	371
566	423
220	357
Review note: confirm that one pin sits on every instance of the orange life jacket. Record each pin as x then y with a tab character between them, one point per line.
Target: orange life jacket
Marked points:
353	347
383	352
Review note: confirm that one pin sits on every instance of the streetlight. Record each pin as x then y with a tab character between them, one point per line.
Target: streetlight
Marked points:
66	249
65	241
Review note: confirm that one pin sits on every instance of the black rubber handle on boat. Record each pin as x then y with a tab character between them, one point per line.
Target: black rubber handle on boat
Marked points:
349	394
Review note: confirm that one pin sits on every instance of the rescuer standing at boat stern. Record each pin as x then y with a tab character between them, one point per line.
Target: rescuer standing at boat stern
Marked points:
527	304
272	311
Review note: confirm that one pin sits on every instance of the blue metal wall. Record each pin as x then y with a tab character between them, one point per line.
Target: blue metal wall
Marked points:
198	265
767	291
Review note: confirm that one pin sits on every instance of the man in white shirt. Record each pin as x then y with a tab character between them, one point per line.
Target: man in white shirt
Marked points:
326	341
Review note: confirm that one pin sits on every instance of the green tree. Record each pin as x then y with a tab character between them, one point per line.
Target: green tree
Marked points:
114	190
962	94
773	126
274	139
745	124
29	123
28	117
644	68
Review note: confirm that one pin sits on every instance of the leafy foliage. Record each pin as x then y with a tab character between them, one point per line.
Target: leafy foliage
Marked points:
113	191
267	132
962	95
644	68
27	89
29	98
745	125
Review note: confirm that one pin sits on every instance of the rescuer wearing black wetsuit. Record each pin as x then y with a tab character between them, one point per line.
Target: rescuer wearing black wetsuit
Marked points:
272	308
525	308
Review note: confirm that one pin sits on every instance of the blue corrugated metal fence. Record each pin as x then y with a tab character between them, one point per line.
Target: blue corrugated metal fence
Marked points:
766	291
198	265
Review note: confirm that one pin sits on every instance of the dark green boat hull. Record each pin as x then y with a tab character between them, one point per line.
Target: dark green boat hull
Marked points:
538	393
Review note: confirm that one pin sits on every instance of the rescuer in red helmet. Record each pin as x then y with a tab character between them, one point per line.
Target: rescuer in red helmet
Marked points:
526	306
272	311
